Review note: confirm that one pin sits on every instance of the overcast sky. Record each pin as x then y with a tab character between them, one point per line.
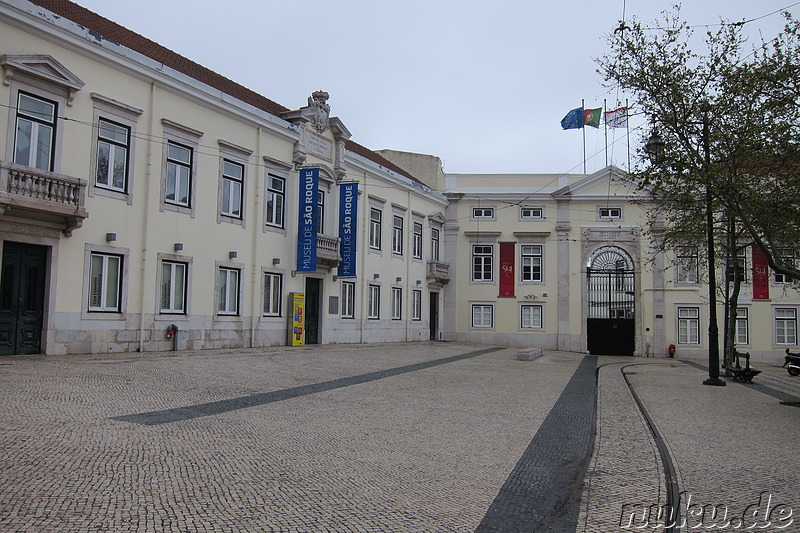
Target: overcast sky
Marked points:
483	85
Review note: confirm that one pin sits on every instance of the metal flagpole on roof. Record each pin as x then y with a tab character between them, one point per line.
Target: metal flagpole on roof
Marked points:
583	128
605	128
628	134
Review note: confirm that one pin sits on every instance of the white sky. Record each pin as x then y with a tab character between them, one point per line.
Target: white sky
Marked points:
483	85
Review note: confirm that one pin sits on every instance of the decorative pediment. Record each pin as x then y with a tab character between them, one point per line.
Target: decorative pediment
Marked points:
43	67
437	217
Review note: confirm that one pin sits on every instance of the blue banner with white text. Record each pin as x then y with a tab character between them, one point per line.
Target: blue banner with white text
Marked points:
348	215
307	221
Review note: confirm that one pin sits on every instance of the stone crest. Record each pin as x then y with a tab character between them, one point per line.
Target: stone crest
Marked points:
320	110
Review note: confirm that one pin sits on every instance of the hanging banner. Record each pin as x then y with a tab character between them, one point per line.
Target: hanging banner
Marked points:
307	221
760	275
507	281
348	215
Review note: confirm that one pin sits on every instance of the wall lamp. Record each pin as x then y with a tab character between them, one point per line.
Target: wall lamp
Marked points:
111	237
178	246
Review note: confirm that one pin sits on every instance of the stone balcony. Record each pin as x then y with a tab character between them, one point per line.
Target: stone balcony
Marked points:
438	272
327	251
41	196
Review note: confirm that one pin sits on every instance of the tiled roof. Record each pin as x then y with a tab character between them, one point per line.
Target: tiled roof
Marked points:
130	39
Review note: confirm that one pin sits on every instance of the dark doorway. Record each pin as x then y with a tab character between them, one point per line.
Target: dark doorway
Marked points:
611	298
434	316
22	284
313	305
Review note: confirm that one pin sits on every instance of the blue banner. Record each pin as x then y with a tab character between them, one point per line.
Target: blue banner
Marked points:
307	220
348	215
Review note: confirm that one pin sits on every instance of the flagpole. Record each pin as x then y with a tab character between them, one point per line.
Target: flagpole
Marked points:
583	129
628	134
605	129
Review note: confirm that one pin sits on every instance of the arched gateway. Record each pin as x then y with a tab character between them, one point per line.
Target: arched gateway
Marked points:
610	298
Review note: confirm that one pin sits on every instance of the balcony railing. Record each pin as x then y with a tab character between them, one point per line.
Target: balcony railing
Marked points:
438	272
34	194
327	250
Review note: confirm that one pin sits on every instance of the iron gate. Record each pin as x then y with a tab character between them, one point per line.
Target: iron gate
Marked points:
611	303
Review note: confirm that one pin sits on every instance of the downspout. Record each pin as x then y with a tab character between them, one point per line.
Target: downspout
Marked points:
146	218
409	260
364	280
256	290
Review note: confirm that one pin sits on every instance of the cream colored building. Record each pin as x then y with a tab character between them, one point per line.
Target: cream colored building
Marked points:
140	191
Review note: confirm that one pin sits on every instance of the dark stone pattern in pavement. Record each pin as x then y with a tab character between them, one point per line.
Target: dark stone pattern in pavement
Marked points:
178	414
539	489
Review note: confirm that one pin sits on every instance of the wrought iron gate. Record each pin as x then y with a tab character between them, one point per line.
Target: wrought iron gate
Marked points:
611	299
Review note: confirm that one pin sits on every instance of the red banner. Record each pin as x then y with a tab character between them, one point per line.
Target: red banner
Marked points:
760	275
507	281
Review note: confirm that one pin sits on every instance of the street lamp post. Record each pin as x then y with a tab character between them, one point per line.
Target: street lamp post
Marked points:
653	147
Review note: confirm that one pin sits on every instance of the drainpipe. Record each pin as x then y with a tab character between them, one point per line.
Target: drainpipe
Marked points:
146	218
254	311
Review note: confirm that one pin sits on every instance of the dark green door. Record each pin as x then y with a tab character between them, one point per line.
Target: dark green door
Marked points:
313	306
22	282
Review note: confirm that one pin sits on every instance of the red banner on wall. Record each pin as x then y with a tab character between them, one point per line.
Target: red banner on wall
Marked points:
760	275
507	281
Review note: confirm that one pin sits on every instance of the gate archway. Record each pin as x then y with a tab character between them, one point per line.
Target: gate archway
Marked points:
611	299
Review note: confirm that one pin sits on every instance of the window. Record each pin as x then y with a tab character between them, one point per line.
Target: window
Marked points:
482	263
397	303
105	283
173	287
374	303
785	256
276	191
434	244
531	262
686	264
232	187
786	326
527	213
741	261
416	305
482	316
228	291
34	144
113	145
688	325
348	299
375	216
320	211
482	212
530	316
179	171
397	235
742	327
610	212
273	294
417	240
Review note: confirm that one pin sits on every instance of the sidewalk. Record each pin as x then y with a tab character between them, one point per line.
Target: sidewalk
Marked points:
732	448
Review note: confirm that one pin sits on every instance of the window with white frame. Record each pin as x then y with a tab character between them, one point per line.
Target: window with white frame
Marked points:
531	213
483	212
416	305
482	256
348	299
530	316
397	303
397	234
232	188
688	325
276	197
417	240
434	244
786	326
686	264
482	315
320	211
105	283
228	291
374	302
375	221
738	261
787	258
742	326
34	143
113	146
609	212
179	174
173	287
273	294
531	257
